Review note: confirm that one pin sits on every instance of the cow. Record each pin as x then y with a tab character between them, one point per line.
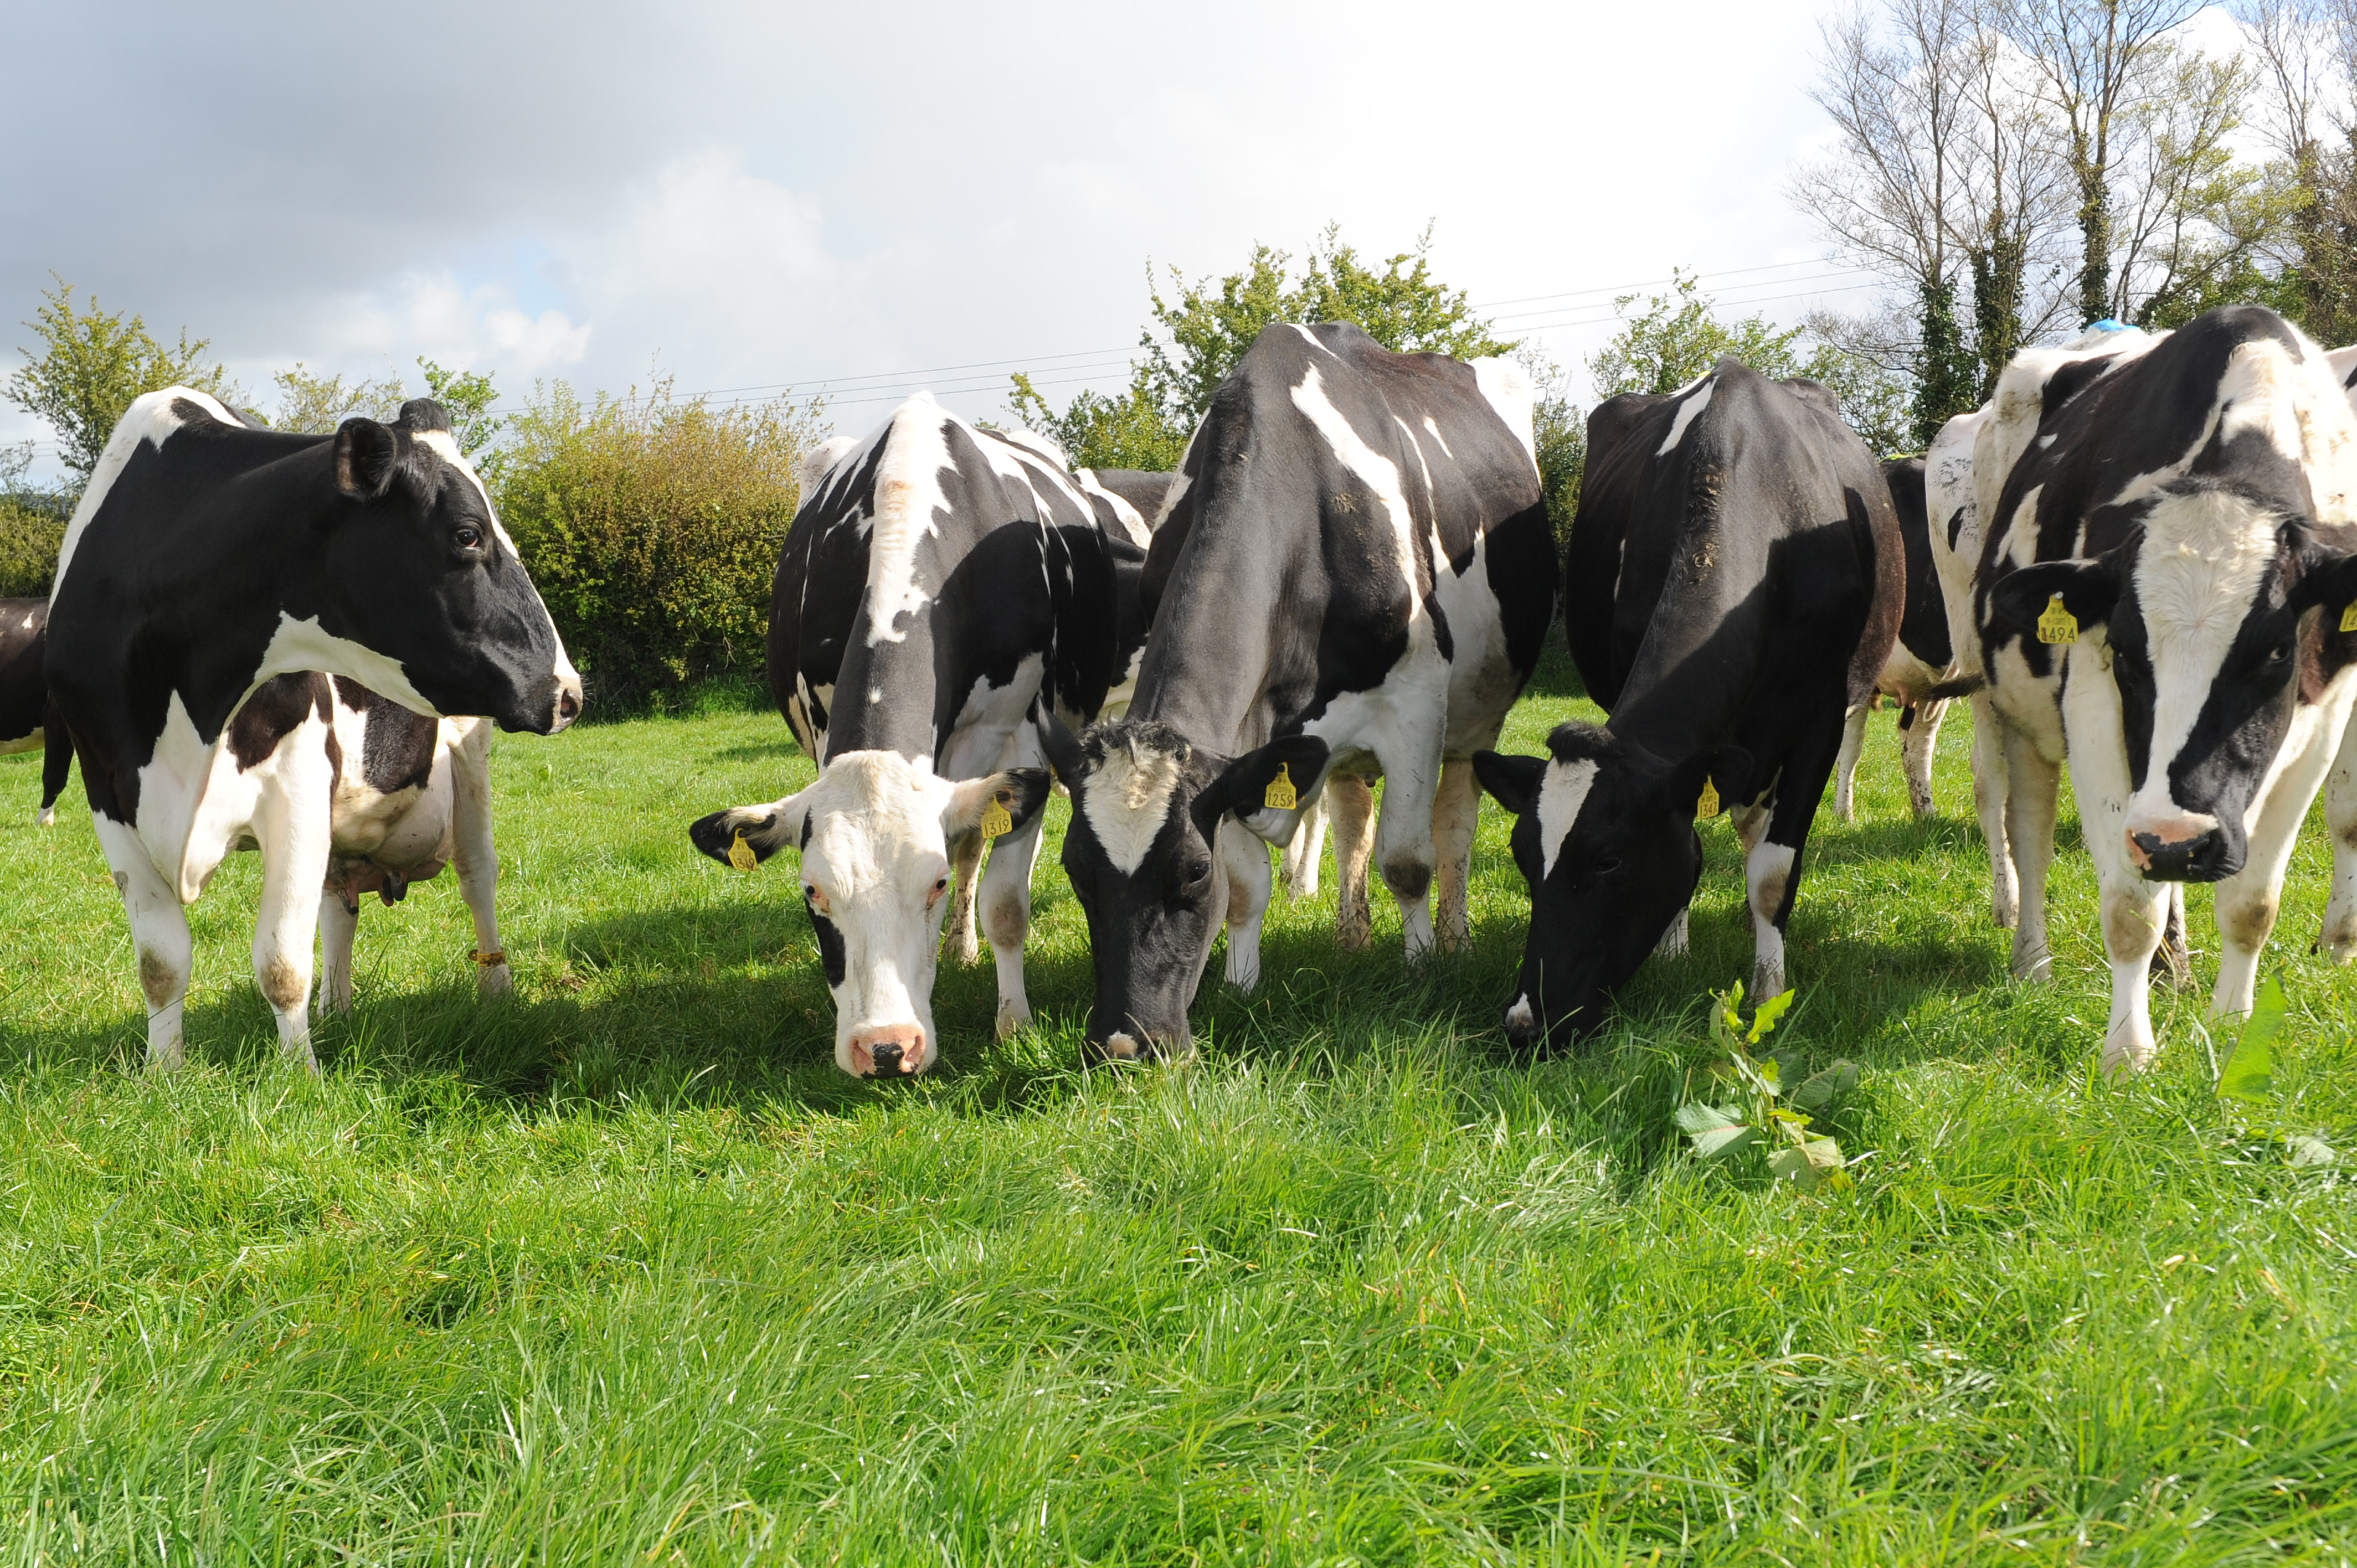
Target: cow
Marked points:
1734	585
1354	578
1920	661
205	559
27	717
2169	551
939	586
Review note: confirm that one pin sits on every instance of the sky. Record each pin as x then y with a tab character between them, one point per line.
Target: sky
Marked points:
863	199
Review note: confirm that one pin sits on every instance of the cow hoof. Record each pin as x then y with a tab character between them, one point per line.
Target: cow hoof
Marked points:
1353	938
495	980
2339	946
1013	1018
2124	1060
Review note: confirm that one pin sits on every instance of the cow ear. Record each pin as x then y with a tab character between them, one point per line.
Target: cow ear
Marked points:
1020	792
1250	787
420	414
1724	771
766	830
2089	590
367	455
2328	578
1063	750
1512	781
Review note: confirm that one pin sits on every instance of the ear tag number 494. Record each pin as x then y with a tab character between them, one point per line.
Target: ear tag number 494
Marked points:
2055	624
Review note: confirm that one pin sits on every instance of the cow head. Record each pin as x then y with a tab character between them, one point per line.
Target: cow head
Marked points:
1143	855
874	831
1604	835
420	573
2211	616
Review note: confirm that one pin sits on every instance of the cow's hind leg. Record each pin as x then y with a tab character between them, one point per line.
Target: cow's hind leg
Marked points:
1006	916
1353	811
291	824
1455	814
478	863
1299	870
1919	733
2338	941
1853	744
339	924
965	863
2173	960
159	931
1990	797
2032	787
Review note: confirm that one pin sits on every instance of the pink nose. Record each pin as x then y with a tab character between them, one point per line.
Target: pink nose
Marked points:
888	1052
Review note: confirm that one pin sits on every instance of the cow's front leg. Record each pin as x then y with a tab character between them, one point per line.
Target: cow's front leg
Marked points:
159	931
1404	847
1919	733
2133	913
966	860
291	825
478	863
1007	916
1455	814
2031	786
2247	902
1298	871
339	924
1989	805
1246	857
1353	811
1853	744
2338	942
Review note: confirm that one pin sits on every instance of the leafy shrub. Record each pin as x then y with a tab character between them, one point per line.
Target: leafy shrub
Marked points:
652	527
29	537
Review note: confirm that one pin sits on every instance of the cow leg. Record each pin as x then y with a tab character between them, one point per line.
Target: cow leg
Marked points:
1246	856
1300	872
159	931
2247	901
338	923
1007	916
1989	797
2172	961
2135	911
1353	811
1749	822
290	822
1674	941
1403	848
2338	941
1455	814
478	863
1919	732
56	763
1853	744
2031	786
965	863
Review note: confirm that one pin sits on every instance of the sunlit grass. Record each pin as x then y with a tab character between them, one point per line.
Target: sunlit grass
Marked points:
626	1270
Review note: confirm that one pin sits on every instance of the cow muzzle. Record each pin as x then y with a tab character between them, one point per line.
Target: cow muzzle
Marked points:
896	1050
2178	846
1137	1045
565	706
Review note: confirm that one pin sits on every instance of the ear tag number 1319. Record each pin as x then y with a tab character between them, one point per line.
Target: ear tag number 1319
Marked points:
1281	796
996	821
2056	624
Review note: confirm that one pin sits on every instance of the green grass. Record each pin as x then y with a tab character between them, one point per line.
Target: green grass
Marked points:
625	1270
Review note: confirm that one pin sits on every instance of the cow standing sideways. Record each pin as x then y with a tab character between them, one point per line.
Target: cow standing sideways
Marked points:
1734	587
940	586
2166	566
1355	574
28	718
1921	658
208	558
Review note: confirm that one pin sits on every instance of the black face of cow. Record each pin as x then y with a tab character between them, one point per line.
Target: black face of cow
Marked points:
2207	648
1143	856
1604	835
420	572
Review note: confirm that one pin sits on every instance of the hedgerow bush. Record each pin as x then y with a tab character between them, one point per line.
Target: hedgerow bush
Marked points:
29	537
652	527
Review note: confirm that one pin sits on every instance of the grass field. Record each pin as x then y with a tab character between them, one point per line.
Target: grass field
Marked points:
623	1270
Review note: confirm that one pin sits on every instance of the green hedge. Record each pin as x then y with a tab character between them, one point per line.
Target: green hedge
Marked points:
652	527
29	537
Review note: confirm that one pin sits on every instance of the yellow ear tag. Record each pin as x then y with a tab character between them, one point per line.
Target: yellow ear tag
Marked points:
2349	619
1708	805
740	853
2055	624
1281	796
997	821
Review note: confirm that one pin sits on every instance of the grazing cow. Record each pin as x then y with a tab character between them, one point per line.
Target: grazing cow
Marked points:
1145	490
207	558
1735	584
1919	661
2166	566
27	717
1355	576
939	585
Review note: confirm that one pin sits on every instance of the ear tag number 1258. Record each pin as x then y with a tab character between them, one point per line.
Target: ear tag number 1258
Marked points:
1281	796
2055	624
997	821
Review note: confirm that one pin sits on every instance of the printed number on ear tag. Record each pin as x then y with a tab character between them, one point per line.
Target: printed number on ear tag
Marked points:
740	853
1281	796
996	821
1708	805
2349	619
2055	624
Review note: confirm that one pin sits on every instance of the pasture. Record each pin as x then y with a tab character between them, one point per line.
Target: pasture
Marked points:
624	1269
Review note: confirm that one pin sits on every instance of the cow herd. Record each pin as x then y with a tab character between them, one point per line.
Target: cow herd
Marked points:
2139	561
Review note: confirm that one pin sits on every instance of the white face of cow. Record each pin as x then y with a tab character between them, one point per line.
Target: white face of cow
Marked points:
874	831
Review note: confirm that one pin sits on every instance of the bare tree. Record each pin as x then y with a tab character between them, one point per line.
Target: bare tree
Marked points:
2017	174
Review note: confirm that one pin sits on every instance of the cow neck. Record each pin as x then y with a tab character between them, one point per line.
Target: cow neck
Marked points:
1690	680
1207	664
884	696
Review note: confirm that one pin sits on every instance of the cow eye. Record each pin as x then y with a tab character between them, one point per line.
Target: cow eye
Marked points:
1196	872
2280	653
1607	865
468	537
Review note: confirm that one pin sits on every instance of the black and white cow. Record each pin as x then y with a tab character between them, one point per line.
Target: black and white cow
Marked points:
1920	661
2177	509
1355	576
1734	587
28	718
940	582
208	558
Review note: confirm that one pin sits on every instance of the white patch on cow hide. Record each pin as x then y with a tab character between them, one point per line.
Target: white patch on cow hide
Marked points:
1687	411
150	418
1562	793
1127	801
2198	573
300	645
1382	476
1433	430
1133	523
908	495
818	463
1507	386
